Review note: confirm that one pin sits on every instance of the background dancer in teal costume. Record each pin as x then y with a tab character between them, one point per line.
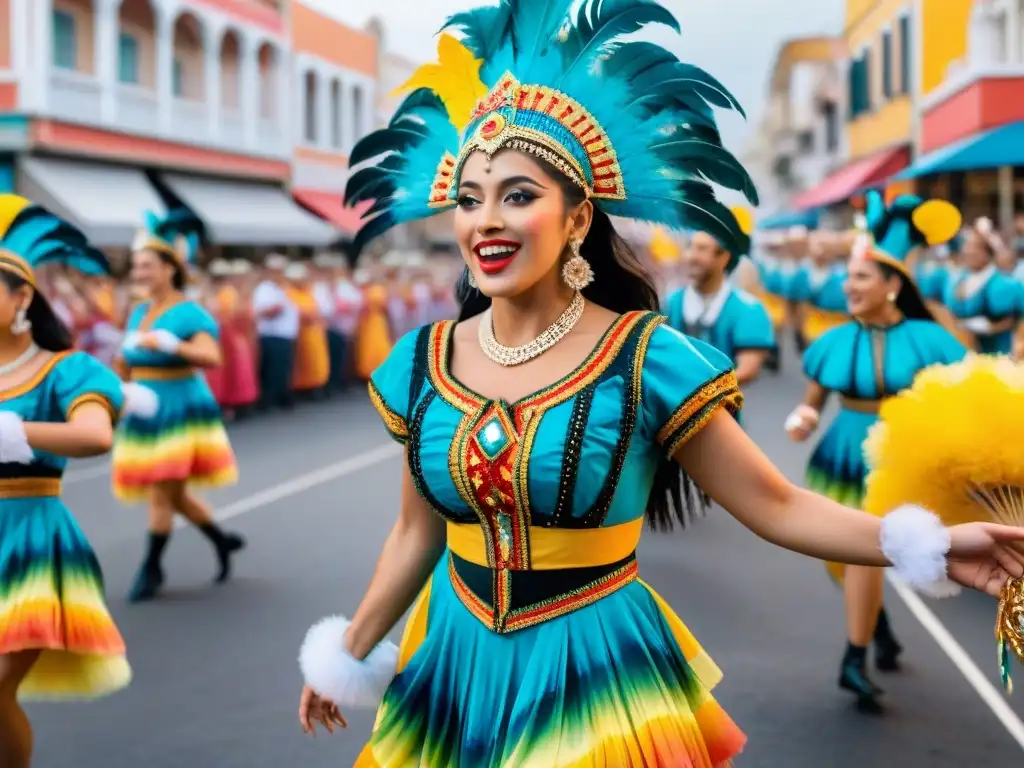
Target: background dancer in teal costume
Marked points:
864	361
987	302
718	313
57	638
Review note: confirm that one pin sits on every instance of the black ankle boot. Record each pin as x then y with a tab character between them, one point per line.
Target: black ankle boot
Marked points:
150	576
225	545
887	647
853	677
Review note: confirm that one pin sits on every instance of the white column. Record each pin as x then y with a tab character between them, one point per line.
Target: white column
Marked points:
164	66
213	38
42	64
1013	32
106	29
249	88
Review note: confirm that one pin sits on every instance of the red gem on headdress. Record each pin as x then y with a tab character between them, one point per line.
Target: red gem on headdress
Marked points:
492	126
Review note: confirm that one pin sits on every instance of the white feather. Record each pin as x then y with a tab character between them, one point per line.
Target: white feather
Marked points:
335	674
14	447
861	246
916	542
139	400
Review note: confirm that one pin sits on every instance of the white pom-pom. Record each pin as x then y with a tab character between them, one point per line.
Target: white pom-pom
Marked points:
139	400
916	542
14	447
332	672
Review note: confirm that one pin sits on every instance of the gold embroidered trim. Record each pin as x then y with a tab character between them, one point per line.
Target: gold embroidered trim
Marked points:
29	487
394	423
693	414
92	398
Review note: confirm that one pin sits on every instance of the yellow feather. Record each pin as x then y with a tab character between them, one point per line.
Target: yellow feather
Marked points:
663	248
455	78
938	220
744	218
957	428
10	207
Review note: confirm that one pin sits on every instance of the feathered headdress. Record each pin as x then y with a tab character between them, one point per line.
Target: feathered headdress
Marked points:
908	222
30	235
626	121
178	234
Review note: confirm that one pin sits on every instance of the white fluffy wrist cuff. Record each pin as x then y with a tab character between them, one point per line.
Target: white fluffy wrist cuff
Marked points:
916	542
14	447
139	400
335	674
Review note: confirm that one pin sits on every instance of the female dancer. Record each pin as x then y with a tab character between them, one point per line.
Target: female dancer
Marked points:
533	641
57	639
819	286
987	302
185	443
876	356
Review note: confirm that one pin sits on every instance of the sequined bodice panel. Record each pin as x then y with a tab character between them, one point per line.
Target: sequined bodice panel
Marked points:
579	454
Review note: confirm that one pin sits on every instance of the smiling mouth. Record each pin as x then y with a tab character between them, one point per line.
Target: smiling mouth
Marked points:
493	256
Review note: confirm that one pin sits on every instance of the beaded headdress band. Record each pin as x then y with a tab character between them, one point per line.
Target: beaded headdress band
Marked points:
627	122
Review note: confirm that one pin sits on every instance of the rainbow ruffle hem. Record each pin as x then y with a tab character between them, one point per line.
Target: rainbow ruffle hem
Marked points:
620	682
837	468
185	440
51	598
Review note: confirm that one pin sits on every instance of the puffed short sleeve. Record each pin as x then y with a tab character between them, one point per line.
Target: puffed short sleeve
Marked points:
191	319
684	381
80	379
391	384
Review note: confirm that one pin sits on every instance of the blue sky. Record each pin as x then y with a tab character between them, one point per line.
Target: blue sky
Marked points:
735	40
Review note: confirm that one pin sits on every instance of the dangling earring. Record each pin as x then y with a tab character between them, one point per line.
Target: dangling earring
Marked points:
576	272
470	279
891	298
21	322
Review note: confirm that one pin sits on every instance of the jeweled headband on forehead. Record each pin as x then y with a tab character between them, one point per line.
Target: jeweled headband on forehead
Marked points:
892	232
626	121
31	236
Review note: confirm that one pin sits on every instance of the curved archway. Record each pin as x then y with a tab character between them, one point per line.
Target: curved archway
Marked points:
230	55
189	69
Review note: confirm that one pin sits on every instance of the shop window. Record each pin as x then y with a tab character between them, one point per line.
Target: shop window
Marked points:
830	115
128	59
65	42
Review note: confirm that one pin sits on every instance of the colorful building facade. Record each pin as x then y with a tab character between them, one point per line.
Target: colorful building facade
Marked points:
109	107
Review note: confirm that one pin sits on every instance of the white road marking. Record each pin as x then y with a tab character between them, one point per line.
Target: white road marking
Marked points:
989	693
304	482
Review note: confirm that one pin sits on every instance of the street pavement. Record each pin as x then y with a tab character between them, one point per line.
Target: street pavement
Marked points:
217	683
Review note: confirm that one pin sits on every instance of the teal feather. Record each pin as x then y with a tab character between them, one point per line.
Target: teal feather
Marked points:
892	227
40	238
657	111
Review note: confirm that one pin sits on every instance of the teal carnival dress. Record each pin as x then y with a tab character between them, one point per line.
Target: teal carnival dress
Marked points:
992	298
51	585
535	643
186	439
731	322
864	365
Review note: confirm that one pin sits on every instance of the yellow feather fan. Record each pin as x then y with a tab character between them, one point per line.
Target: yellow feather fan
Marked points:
951	443
455	78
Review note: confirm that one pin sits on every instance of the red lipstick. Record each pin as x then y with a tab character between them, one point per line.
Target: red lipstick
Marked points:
495	255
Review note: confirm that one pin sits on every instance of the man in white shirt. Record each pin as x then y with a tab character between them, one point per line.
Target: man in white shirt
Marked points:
277	325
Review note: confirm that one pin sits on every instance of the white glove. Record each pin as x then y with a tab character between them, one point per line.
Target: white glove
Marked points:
166	341
131	340
802	417
139	400
14	447
979	324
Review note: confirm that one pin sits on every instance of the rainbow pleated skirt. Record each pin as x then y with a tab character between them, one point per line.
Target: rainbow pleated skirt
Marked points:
185	441
620	682
51	599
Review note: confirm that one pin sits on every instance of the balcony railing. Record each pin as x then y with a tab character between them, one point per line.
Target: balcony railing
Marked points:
78	98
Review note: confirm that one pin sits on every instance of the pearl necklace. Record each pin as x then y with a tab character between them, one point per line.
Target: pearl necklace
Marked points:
23	358
510	356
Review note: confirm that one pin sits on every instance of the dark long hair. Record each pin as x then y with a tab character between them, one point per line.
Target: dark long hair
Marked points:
48	332
909	300
621	284
180	277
